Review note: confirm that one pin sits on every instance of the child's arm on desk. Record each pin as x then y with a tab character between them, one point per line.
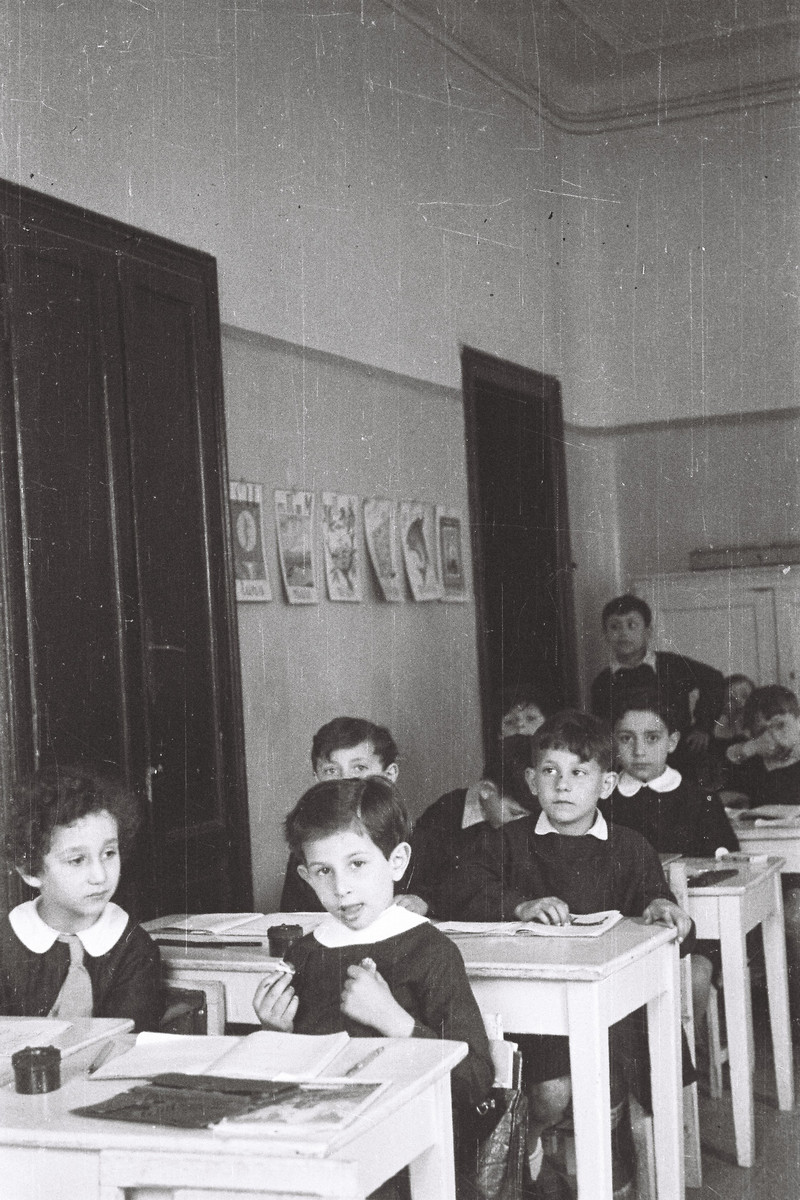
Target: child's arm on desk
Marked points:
667	912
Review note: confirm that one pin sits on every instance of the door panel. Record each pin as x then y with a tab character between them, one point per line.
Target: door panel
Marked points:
116	596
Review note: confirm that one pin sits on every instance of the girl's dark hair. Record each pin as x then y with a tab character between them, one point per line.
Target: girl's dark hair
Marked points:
61	795
372	806
650	700
578	732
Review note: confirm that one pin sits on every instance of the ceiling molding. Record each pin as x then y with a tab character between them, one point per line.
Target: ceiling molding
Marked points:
617	79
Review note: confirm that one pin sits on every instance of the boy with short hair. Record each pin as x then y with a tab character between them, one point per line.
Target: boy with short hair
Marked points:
567	861
72	952
371	967
344	748
627	627
671	813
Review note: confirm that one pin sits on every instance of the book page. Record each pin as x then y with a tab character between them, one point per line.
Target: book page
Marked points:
582	925
271	1055
157	1053
18	1032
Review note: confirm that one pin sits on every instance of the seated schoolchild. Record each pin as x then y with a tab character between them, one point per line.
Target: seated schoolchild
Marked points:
371	967
71	952
570	860
344	748
767	771
729	726
671	813
522	715
455	825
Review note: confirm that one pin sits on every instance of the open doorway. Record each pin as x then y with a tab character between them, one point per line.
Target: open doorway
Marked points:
520	536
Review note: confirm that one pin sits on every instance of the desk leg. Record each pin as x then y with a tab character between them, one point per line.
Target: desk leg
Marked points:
666	1076
591	1092
432	1174
778	995
739	1020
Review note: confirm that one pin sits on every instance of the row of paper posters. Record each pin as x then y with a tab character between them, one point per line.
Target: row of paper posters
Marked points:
424	540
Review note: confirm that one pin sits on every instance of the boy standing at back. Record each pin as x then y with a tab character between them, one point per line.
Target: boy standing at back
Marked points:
570	861
344	748
627	628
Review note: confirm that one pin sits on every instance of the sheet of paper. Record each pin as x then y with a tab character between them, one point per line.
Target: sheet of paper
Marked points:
317	1107
209	923
18	1032
157	1053
582	925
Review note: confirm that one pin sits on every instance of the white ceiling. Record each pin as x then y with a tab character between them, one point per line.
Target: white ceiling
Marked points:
590	65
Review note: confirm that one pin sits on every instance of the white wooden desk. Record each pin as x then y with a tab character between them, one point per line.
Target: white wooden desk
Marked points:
726	912
579	988
46	1153
781	842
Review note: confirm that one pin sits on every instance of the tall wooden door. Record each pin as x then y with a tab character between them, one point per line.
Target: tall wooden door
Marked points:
118	615
520	534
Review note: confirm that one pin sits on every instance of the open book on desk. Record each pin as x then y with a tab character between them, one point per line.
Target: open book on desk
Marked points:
261	1055
581	925
775	816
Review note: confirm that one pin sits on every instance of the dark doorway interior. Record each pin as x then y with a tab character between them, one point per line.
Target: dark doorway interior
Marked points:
520	536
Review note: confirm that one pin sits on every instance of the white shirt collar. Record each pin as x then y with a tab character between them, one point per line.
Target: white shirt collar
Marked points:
599	828
648	660
39	937
667	781
393	920
473	813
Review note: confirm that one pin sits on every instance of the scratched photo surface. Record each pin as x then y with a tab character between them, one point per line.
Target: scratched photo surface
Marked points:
534	262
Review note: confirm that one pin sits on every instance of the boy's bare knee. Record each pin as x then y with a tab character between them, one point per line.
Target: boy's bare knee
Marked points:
549	1099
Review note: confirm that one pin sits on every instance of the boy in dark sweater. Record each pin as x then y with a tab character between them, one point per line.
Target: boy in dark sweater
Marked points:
671	813
371	967
627	627
569	861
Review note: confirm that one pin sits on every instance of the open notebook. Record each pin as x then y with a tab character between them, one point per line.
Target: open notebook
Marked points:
261	1055
580	926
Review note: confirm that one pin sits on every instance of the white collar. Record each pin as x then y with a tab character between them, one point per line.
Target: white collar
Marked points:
38	937
667	781
393	920
649	660
599	828
473	813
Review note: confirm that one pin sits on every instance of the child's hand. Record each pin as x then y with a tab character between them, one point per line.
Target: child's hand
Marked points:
275	1002
666	912
366	998
547	911
414	904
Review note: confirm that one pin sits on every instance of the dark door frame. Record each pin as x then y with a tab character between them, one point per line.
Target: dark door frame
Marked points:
485	376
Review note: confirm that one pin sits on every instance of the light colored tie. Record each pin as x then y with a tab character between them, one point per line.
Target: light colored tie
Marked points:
75	998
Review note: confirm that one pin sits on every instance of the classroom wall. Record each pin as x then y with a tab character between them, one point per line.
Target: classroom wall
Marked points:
311	421
369	196
644	496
